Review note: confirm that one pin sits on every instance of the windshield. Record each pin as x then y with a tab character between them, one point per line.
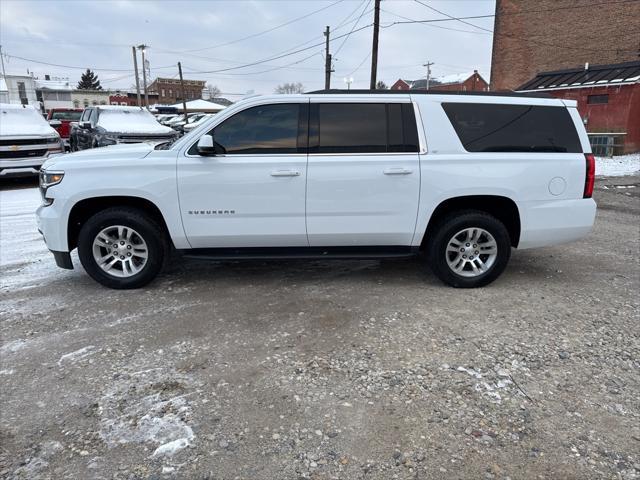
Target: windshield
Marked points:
69	115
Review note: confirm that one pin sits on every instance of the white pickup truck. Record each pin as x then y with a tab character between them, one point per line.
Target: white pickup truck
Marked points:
26	140
461	179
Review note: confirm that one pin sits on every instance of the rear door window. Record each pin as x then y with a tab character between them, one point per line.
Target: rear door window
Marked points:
513	128
362	128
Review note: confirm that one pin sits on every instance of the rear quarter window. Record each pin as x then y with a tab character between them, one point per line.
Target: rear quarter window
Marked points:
513	128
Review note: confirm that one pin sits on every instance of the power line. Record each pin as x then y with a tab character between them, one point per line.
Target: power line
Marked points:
81	68
352	28
259	62
264	31
462	20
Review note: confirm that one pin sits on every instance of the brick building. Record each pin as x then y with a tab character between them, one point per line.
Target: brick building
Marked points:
608	99
169	89
131	98
457	82
547	35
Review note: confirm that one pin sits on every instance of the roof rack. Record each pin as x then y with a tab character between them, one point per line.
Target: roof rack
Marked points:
428	92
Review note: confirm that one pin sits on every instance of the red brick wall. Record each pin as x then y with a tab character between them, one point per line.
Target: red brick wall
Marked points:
544	35
620	114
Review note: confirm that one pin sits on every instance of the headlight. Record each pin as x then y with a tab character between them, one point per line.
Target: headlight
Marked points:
54	144
49	179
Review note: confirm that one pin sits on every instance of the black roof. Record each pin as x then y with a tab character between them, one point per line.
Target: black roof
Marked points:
614	74
430	92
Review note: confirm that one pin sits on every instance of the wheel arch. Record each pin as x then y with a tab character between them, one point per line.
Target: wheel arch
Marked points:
85	208
501	207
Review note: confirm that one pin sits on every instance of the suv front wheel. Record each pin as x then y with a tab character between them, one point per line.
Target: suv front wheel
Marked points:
122	248
469	249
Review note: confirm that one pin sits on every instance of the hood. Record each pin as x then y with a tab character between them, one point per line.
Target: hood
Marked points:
134	122
121	151
23	122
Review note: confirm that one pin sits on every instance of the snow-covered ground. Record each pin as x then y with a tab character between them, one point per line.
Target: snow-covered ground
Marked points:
618	166
24	259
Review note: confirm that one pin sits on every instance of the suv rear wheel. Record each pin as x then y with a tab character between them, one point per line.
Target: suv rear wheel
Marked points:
469	249
122	248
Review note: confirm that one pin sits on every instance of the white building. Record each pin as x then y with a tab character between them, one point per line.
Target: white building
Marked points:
87	98
54	92
22	90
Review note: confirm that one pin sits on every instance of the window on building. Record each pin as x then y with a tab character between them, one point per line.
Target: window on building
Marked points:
597	99
76	104
264	129
606	145
22	93
513	128
162	92
86	103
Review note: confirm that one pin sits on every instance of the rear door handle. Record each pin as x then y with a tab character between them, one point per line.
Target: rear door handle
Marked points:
398	171
285	173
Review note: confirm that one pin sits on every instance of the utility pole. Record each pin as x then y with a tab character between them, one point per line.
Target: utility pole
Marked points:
374	48
135	68
144	76
428	65
327	62
184	102
2	61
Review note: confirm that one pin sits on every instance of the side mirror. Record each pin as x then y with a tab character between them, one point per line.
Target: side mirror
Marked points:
206	145
55	123
85	124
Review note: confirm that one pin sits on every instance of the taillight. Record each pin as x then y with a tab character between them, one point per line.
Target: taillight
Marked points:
591	175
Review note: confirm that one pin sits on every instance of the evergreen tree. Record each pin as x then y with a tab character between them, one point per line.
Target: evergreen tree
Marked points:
89	81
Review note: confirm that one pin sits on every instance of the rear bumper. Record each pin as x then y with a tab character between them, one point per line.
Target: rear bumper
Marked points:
554	222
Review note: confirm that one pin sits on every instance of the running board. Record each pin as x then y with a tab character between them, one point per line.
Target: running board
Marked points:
288	253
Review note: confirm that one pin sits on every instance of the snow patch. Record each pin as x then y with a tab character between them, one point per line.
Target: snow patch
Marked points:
77	355
13	346
151	406
170	448
618	166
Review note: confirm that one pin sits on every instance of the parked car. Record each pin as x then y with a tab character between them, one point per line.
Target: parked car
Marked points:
162	118
61	119
461	179
104	125
179	122
196	122
26	140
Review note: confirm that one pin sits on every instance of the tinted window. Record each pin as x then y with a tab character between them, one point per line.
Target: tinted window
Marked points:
513	128
362	128
352	127
85	115
262	129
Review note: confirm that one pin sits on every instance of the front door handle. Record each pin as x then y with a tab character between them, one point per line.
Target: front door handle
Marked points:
285	173
398	171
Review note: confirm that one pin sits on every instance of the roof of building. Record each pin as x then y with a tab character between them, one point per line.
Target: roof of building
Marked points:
451	79
587	76
54	84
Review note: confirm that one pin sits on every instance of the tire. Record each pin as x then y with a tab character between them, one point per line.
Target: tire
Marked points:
142	247
480	265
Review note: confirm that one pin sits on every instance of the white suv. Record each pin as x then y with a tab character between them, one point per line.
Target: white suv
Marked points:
331	174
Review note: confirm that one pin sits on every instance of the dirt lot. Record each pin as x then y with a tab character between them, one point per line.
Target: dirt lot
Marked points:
349	369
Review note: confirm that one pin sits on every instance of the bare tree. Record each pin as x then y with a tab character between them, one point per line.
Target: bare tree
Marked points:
381	85
212	91
290	88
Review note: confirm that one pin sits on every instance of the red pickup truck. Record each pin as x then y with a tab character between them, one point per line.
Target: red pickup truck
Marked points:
61	118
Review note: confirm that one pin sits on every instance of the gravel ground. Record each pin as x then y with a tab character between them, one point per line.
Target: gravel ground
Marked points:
321	370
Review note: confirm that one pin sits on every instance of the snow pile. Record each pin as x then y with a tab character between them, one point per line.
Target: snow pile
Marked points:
16	120
618	166
151	406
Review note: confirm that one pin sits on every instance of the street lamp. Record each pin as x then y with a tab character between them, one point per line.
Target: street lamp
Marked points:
348	81
142	49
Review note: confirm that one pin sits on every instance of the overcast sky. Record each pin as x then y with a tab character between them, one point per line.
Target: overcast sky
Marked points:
208	36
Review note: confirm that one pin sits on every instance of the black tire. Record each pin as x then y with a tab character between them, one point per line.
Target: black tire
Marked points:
153	234
455	222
